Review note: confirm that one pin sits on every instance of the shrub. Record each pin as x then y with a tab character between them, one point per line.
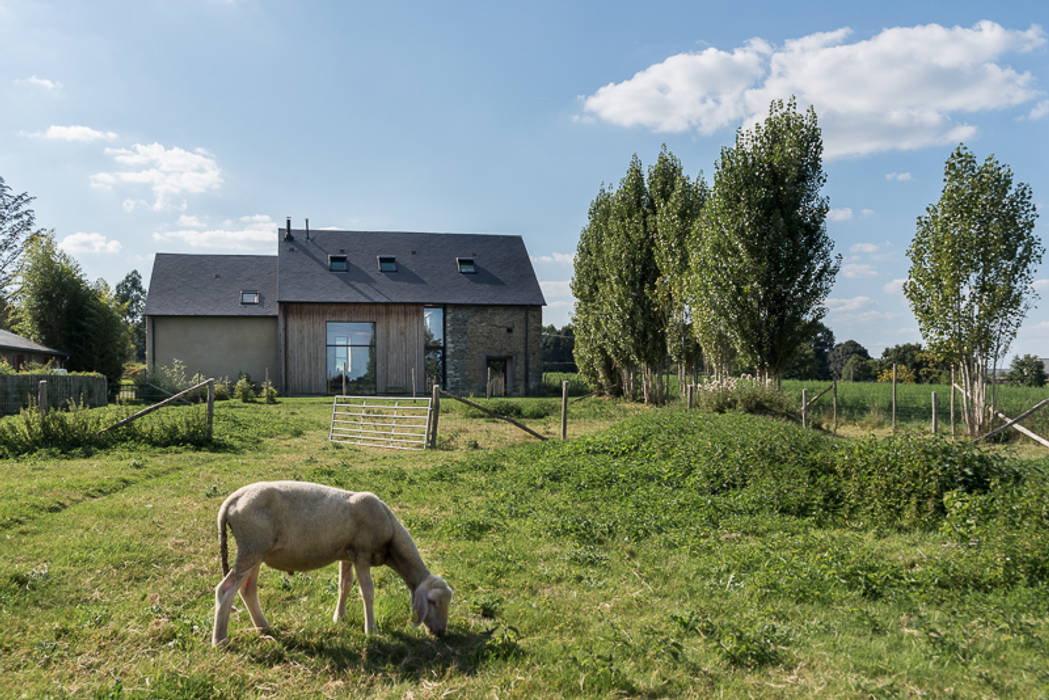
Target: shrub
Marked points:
244	390
268	392
223	392
743	395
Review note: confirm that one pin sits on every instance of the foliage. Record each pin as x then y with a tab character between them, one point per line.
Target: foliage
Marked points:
17	224
743	395
130	292
763	264
557	346
57	307
840	355
859	369
812	360
973	258
244	390
267	392
904	375
1028	370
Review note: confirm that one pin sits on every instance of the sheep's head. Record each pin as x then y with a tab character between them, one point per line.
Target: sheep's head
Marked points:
430	603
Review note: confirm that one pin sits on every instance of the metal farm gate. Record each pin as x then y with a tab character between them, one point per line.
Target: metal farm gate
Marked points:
395	422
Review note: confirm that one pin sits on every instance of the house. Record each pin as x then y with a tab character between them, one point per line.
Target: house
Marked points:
19	352
355	311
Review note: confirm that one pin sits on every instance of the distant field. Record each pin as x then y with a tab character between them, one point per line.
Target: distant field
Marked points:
666	555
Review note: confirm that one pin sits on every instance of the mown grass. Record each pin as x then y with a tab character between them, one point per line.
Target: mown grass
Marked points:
670	554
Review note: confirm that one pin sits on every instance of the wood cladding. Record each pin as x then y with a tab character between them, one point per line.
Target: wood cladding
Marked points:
398	344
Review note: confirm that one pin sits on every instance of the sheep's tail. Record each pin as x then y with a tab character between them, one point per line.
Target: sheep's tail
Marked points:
223	541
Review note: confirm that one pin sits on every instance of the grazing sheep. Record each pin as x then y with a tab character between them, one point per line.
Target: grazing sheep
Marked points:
298	526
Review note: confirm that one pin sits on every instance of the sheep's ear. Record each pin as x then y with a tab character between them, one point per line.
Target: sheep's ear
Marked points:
420	605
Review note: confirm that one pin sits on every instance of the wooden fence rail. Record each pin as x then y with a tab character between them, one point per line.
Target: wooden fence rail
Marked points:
209	383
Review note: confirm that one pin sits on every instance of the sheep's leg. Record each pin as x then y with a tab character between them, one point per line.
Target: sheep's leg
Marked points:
364	578
345	583
224	593
249	593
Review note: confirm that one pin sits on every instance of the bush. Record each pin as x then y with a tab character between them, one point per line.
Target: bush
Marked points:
743	395
268	392
223	392
244	390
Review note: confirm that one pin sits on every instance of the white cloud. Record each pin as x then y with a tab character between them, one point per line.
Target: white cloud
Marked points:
1039	110
866	212
858	271
849	304
1040	284
556	288
900	89
257	232
562	304
40	82
895	286
169	172
89	243
898	177
864	248
82	134
839	214
564	258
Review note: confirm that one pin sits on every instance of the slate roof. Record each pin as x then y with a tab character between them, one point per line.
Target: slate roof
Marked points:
210	285
427	272
10	341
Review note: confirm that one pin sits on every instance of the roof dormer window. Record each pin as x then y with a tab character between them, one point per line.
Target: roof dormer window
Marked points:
387	263
466	265
250	297
338	263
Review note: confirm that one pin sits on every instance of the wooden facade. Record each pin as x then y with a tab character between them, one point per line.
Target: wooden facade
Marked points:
398	344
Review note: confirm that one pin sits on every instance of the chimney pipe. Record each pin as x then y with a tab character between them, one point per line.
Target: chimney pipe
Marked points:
287	231
307	229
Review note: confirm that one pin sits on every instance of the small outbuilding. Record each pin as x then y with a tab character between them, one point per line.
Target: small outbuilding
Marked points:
19	352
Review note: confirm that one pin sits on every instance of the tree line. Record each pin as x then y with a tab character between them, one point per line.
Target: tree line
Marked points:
45	296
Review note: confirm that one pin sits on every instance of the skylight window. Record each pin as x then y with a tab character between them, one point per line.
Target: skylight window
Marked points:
387	263
466	265
338	263
250	297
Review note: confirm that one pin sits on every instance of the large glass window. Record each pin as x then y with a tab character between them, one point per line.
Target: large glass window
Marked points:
351	357
433	327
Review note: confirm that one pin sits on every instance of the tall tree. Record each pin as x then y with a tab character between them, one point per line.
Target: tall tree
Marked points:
557	346
840	355
765	263
130	292
973	259
57	307
593	351
17	223
1027	370
813	358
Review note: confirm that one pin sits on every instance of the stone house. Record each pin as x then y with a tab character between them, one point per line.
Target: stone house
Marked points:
356	311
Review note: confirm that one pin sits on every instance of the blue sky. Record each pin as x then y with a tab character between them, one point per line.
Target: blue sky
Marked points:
199	125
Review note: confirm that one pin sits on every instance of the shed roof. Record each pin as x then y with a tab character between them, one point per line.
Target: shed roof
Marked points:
11	341
211	285
427	271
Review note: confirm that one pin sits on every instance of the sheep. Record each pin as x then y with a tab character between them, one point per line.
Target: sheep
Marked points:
299	526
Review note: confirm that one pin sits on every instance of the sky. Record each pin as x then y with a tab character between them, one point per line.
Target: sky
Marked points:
198	126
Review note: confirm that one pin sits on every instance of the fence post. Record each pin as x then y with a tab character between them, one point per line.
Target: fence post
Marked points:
488	385
414	394
41	395
435	405
835	406
344	381
951	402
211	405
894	397
804	408
564	410
691	395
935	418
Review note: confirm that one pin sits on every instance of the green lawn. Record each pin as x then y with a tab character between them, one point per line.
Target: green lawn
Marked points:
656	554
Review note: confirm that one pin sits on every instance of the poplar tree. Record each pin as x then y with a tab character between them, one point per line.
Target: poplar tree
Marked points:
764	263
973	258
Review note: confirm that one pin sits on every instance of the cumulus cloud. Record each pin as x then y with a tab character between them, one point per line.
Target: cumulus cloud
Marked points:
839	214
902	89
849	304
80	243
563	258
79	133
864	248
858	271
256	232
169	172
866	212
895	286
1039	110
1041	284
556	288
40	82
898	177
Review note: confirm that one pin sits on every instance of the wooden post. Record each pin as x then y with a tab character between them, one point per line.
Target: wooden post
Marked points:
211	405
835	406
564	410
951	402
935	418
804	408
691	395
41	395
344	381
413	383
435	408
488	385
894	397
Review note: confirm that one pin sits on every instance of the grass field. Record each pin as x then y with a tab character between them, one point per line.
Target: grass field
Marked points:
656	554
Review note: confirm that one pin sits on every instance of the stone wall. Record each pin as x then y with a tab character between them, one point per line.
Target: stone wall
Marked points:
15	390
474	334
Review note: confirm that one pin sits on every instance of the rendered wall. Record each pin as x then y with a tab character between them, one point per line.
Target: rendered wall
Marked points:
215	346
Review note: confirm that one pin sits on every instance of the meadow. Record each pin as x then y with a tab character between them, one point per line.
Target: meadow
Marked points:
656	553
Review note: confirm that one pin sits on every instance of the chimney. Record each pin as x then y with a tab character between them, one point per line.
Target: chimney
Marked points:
307	229
287	231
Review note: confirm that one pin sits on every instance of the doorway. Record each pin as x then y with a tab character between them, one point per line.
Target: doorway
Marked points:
498	375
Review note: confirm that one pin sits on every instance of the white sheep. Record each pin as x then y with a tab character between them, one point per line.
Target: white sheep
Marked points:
299	526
